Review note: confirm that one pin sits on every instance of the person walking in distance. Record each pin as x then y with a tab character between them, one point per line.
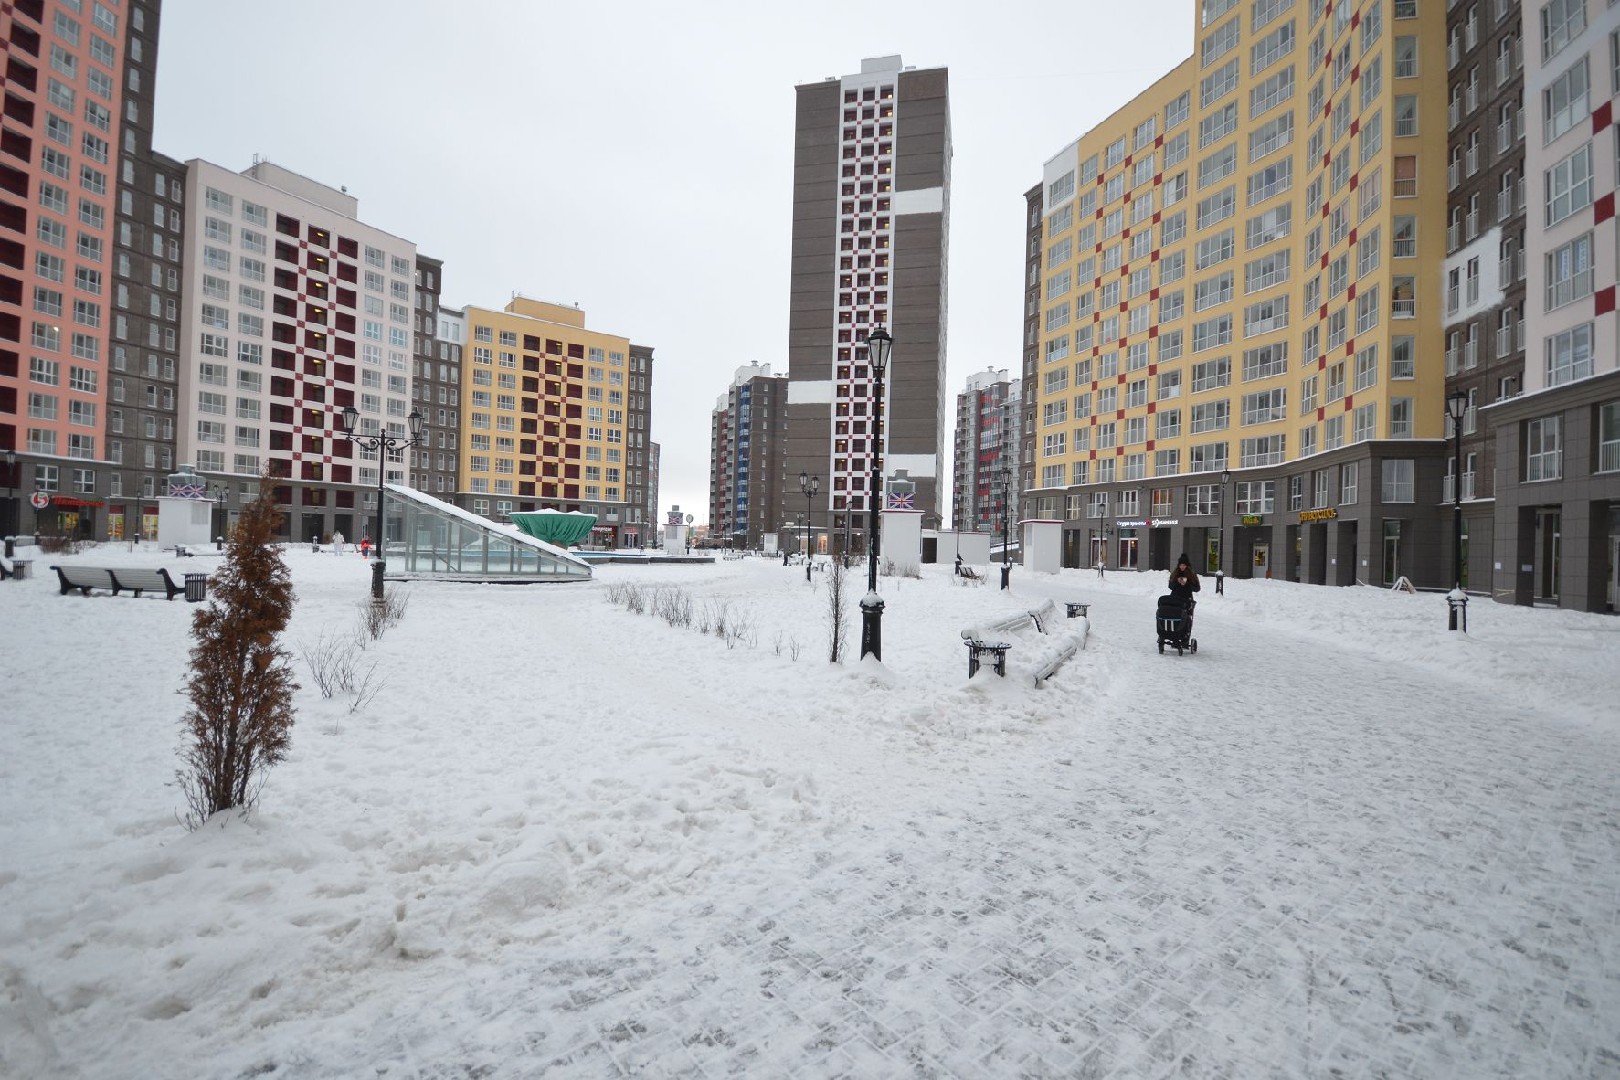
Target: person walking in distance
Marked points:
365	547
337	543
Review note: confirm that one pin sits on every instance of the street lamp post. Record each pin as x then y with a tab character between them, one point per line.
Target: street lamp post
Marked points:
878	347
219	493
384	444
1456	409
809	485
1220	539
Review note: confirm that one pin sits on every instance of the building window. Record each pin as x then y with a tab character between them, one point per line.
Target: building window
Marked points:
1569	272
1609	437
1543	449
1569	355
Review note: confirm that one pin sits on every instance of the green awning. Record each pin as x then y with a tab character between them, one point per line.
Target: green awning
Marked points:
555	526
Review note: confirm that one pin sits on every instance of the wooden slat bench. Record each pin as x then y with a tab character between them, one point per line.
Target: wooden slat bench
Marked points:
137	580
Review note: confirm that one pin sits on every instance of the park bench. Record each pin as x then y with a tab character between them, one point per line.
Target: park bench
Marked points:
137	580
1051	650
1076	609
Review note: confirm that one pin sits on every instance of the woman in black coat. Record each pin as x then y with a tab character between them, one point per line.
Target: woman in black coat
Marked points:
1183	581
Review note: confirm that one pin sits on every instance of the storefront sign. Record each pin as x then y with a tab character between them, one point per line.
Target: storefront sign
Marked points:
39	500
1159	523
1250	519
1308	516
1138	524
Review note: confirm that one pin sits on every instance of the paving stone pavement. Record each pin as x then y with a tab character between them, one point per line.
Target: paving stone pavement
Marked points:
1207	879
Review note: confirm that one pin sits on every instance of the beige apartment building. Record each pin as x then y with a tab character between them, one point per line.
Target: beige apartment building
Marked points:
1240	340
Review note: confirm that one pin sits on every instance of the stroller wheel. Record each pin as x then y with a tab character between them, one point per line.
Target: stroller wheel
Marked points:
1180	651
1161	648
1195	645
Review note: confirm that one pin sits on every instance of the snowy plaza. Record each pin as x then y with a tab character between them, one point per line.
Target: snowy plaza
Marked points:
566	839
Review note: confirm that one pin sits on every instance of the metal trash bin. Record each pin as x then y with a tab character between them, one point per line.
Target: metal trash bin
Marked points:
196	588
22	569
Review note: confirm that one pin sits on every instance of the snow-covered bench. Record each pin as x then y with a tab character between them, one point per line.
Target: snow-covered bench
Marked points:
1052	649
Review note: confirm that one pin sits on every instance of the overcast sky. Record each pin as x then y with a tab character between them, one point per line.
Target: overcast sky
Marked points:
636	157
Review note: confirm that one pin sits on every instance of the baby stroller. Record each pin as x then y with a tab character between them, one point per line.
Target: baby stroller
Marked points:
1175	621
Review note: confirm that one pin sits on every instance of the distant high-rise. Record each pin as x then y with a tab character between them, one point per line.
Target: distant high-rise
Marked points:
293	309
871	205
435	387
65	79
745	456
986	450
546	423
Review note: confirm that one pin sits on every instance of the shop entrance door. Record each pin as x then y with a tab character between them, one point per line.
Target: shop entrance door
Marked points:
1127	553
1549	542
1392	552
1262	560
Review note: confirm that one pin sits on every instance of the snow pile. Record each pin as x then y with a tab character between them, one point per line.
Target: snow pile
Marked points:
567	837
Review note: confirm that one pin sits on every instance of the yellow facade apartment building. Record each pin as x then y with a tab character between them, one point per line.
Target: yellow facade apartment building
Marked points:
544	424
1241	279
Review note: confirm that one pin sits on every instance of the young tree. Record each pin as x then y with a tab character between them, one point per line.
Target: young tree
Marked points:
837	611
241	715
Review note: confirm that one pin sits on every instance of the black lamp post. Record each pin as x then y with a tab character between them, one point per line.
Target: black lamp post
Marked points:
809	485
219	493
1220	540
878	347
1457	408
384	444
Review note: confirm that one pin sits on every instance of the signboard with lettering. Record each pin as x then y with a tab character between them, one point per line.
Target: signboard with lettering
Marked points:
1308	516
1250	519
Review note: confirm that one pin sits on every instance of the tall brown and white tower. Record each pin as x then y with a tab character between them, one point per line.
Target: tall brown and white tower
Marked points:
871	211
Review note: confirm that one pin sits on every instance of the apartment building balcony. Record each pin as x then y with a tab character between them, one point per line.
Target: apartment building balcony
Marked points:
1510	269
1453	175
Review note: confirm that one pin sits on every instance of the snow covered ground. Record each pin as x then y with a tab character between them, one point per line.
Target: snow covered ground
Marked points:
569	840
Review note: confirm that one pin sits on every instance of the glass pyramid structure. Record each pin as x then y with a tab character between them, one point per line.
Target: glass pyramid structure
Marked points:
447	542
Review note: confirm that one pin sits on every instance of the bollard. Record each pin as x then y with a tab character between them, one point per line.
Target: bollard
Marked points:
1457	600
219	543
1006	575
1220	583
11	546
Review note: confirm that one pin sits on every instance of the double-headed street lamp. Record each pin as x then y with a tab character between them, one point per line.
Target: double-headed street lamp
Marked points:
384	444
878	347
1457	408
1220	539
809	485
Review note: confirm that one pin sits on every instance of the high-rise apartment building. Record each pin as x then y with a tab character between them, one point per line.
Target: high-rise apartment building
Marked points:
435	387
65	75
1556	536
142	407
545	417
987	450
871	202
640	523
293	310
1034	248
1485	235
746	477
1241	332
651	531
